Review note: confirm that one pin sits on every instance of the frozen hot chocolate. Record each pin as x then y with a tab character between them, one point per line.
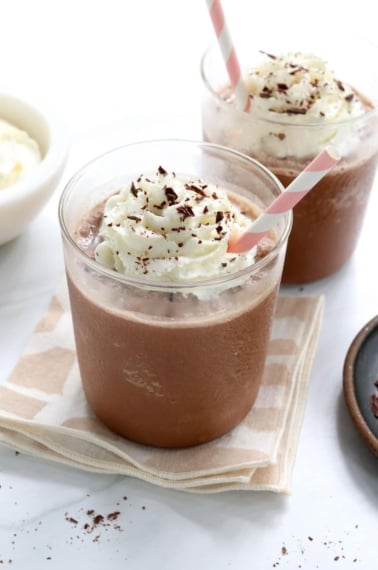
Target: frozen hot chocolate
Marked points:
298	107
172	330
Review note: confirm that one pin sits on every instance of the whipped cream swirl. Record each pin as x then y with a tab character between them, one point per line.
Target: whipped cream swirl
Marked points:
169	228
293	89
19	154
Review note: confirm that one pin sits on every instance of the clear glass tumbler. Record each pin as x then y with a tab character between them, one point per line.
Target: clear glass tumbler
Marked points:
178	364
327	222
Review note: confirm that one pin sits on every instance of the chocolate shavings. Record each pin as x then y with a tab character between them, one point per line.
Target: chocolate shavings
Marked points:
162	171
186	211
171	195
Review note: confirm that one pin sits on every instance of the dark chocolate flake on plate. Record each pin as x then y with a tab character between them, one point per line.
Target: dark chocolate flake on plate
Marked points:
374	405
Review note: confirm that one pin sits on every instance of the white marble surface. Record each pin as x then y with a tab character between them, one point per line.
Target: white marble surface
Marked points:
116	72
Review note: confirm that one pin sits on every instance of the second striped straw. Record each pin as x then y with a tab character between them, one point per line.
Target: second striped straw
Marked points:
229	54
304	182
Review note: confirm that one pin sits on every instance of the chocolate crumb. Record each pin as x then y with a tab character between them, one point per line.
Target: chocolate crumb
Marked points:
310	538
284	550
113	516
98	519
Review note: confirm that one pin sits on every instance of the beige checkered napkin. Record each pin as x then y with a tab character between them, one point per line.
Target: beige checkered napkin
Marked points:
43	411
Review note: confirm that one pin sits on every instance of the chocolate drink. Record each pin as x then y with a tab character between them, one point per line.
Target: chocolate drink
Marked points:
155	381
172	369
327	221
171	328
298	106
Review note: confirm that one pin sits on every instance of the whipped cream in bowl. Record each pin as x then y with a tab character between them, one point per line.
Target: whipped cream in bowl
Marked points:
19	154
33	153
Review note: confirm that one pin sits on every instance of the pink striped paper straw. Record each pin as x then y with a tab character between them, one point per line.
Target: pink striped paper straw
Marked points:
304	182
229	54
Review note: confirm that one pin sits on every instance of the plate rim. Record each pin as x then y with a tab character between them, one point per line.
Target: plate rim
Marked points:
348	385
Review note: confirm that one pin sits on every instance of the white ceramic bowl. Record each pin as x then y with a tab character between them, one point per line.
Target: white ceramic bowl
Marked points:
21	202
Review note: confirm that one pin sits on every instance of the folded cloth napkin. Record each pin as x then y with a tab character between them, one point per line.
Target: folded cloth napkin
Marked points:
43	411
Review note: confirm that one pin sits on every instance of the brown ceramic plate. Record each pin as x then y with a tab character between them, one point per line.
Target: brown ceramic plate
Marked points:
360	376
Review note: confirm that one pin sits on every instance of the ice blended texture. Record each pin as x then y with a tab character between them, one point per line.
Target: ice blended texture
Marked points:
171	228
19	154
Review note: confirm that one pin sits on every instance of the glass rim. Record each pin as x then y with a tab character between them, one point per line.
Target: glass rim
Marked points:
174	285
283	122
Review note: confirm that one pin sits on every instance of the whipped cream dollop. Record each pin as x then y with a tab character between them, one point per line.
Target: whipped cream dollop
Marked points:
169	228
19	154
299	89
